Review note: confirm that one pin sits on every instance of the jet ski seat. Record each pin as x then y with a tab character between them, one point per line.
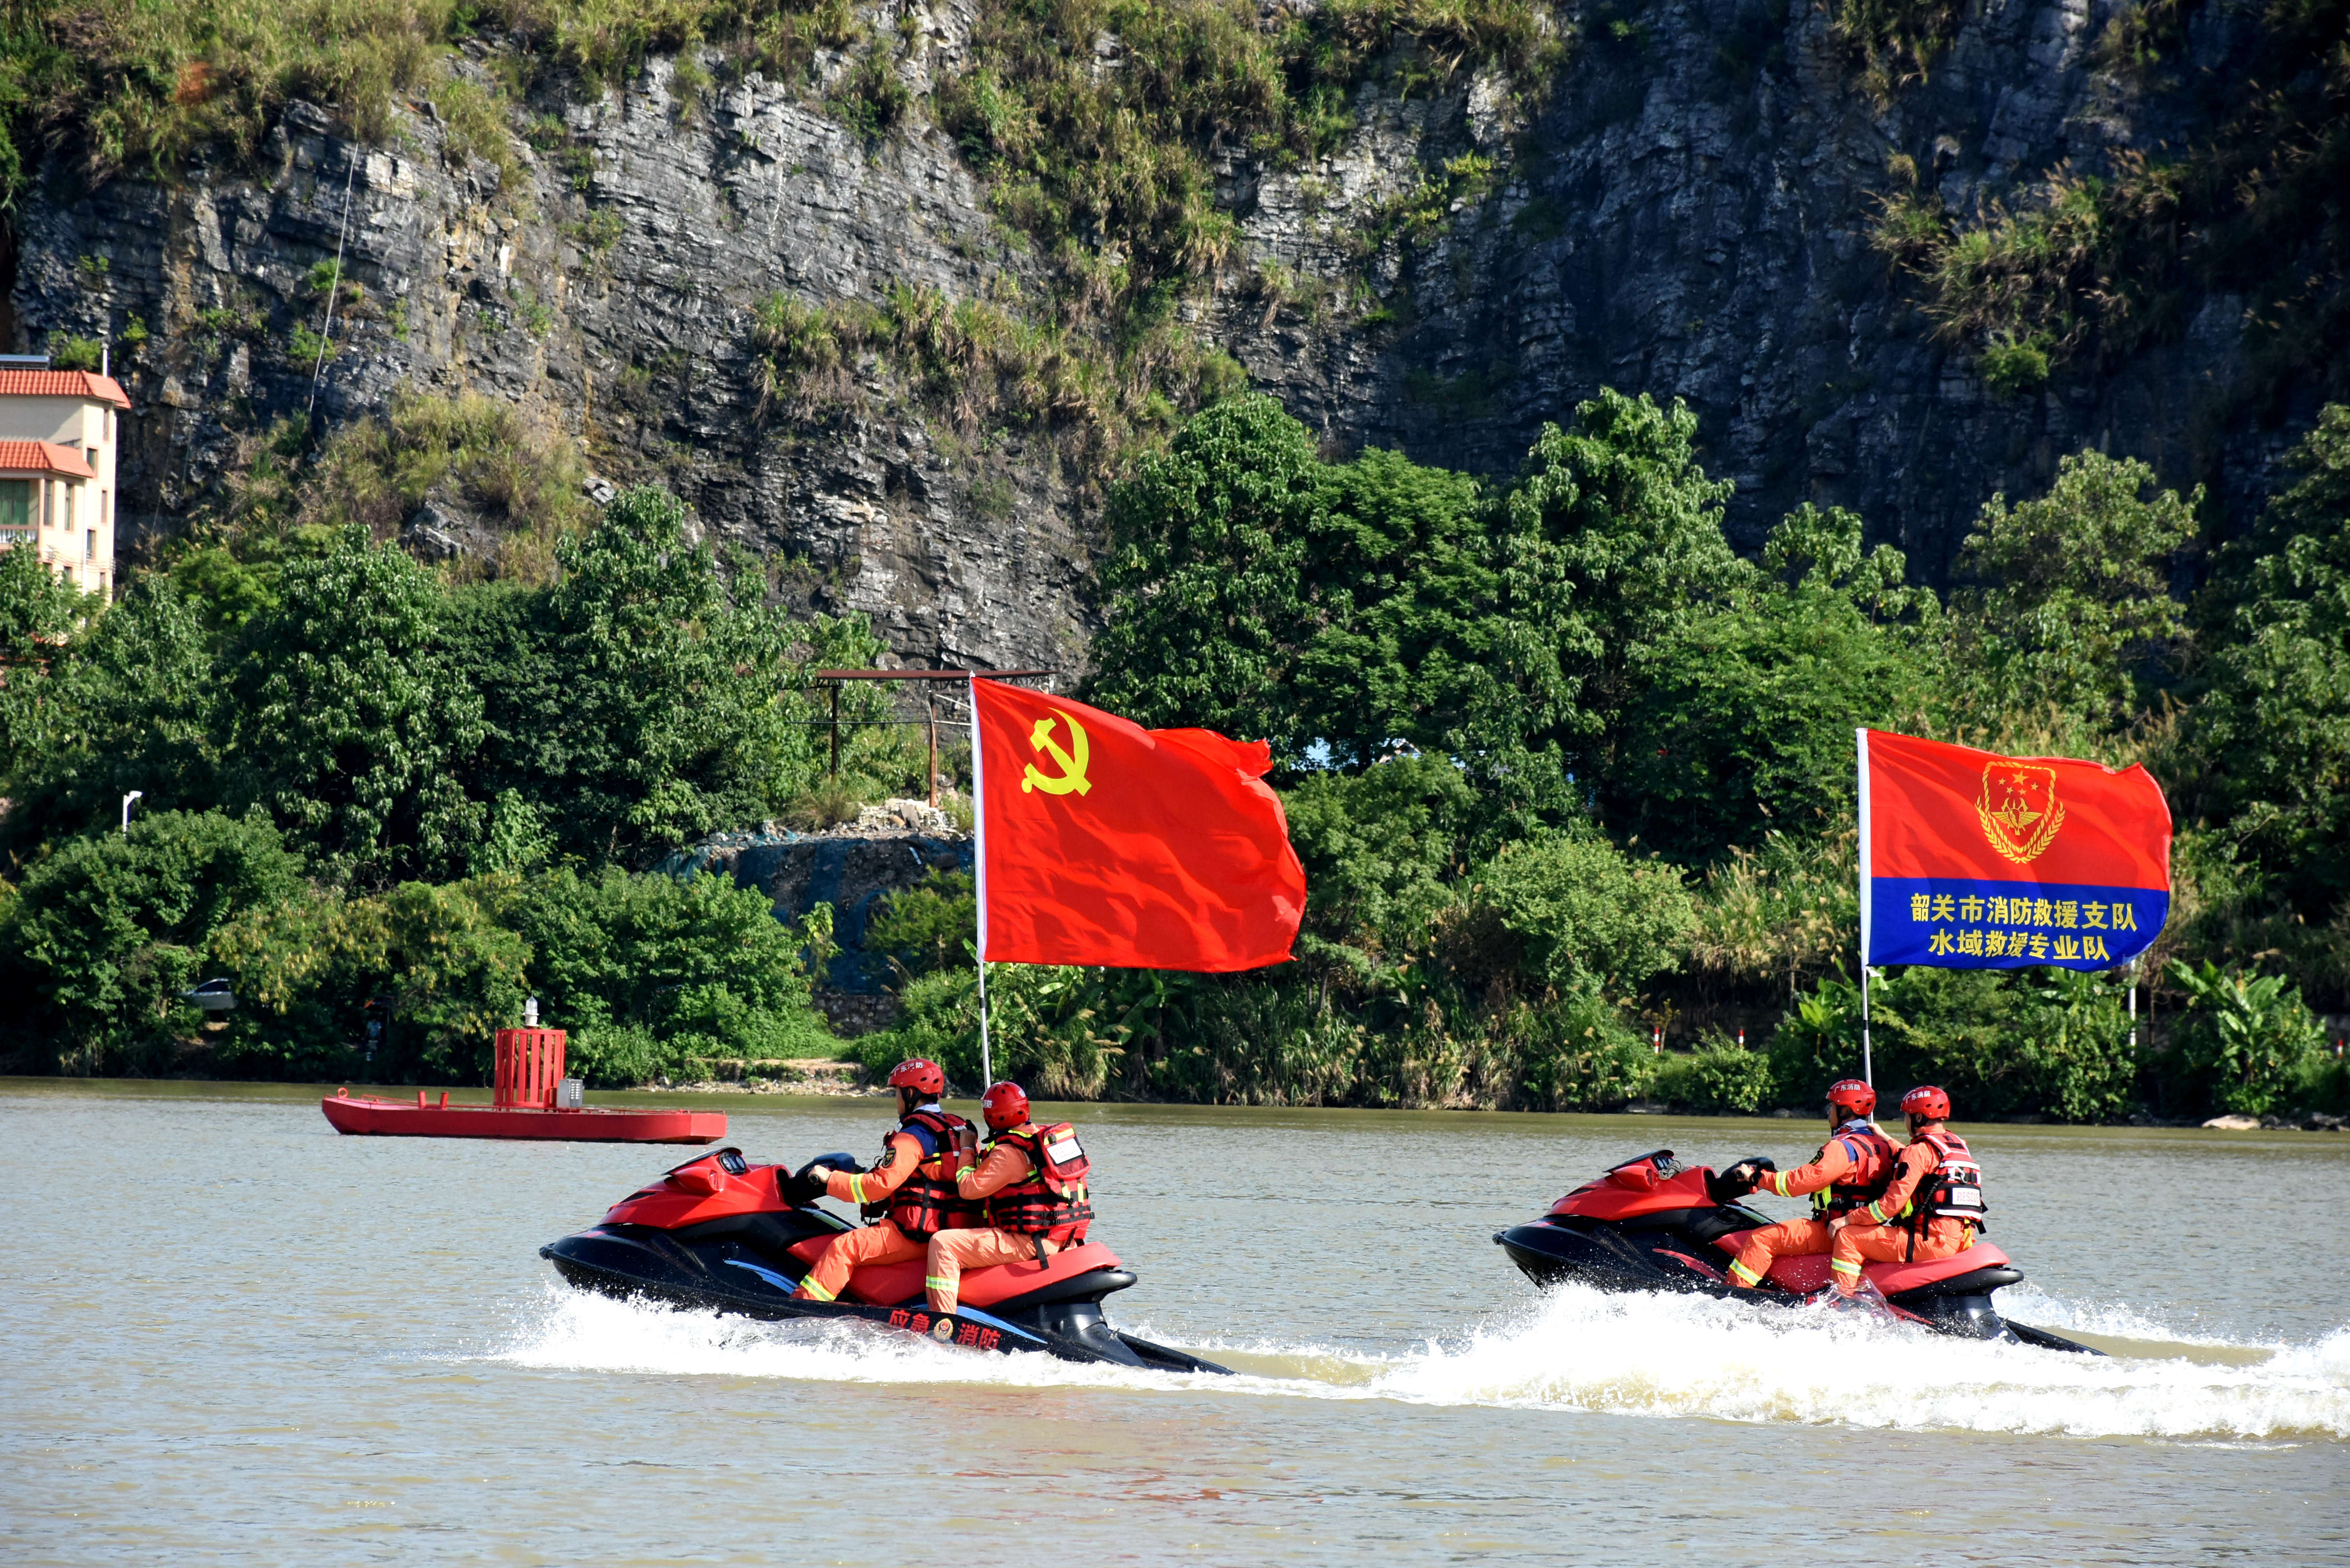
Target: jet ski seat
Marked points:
1805	1274
898	1284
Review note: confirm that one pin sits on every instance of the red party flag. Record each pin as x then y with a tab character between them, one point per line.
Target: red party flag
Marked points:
1104	842
1973	860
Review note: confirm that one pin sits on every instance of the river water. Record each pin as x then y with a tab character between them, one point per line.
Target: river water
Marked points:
231	1336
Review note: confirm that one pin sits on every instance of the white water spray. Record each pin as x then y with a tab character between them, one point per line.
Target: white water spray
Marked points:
1575	1350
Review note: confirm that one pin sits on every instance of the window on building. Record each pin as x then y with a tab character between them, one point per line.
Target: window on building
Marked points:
16	509
89	545
72	495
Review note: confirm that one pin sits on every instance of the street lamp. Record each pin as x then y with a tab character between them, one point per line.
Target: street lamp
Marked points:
134	794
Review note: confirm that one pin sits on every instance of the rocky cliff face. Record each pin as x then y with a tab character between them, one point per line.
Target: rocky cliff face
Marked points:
607	289
1684	213
1689	215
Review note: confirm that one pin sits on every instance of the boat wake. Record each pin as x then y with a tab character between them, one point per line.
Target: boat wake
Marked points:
1576	1350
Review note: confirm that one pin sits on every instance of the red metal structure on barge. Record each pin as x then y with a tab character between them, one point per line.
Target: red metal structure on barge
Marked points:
531	1099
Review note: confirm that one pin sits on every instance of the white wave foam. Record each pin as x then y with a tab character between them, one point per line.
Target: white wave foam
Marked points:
1576	1350
2112	1320
580	1331
1691	1355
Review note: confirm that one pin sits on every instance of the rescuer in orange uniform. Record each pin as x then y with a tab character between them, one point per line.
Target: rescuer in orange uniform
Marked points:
911	1185
1851	1168
1033	1181
1932	1207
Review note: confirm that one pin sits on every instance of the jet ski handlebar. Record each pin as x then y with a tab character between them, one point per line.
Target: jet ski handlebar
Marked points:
798	1191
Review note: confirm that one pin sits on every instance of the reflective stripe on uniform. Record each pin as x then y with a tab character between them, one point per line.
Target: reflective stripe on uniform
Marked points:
857	1190
816	1290
1745	1273
1844	1266
1876	1213
1779	1183
935	1283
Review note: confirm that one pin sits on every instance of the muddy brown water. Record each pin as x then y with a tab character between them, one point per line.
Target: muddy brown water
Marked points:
231	1336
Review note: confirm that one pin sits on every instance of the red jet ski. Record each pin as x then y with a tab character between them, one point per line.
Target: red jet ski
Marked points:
1651	1224
720	1234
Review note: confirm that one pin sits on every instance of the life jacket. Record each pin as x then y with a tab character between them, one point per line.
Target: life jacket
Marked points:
1952	1191
927	1202
1051	1200
1863	1181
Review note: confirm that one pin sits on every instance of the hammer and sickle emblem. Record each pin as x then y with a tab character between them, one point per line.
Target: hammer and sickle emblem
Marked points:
1072	779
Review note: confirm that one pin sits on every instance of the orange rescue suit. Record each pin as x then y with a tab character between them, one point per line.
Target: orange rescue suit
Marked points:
1856	1158
1905	1238
878	1243
953	1251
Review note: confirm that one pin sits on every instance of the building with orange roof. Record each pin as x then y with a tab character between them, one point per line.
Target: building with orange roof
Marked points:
59	432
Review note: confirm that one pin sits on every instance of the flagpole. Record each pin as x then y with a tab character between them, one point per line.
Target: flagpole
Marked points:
1867	1073
1868	897
978	881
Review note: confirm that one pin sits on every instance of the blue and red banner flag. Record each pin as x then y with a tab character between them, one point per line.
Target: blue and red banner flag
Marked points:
1973	860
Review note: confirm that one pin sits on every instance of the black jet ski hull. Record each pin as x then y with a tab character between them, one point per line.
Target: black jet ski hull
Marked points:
739	1265
1676	1251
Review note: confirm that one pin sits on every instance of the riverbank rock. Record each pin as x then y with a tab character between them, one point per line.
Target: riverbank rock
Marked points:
778	1075
2235	1123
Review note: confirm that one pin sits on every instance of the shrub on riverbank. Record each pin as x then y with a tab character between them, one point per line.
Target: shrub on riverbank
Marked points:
104	935
645	971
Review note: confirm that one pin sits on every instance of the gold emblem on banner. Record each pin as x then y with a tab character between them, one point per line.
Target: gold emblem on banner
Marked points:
1071	778
2019	809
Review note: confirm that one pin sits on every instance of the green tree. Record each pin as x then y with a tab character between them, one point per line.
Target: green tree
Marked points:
2073	605
440	960
107	930
2272	722
132	703
1613	541
696	968
39	609
1742	716
355	722
1579	908
1381	850
1401	594
1340	608
641	702
1205	575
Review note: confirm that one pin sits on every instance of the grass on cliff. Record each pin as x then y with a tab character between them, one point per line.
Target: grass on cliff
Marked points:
979	364
1099	123
278	500
140	85
2101	267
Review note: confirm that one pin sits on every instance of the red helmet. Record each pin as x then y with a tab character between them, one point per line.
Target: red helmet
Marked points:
1005	1107
1927	1104
922	1077
1852	1095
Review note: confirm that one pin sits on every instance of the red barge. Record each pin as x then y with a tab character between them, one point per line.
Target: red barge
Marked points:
532	1100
